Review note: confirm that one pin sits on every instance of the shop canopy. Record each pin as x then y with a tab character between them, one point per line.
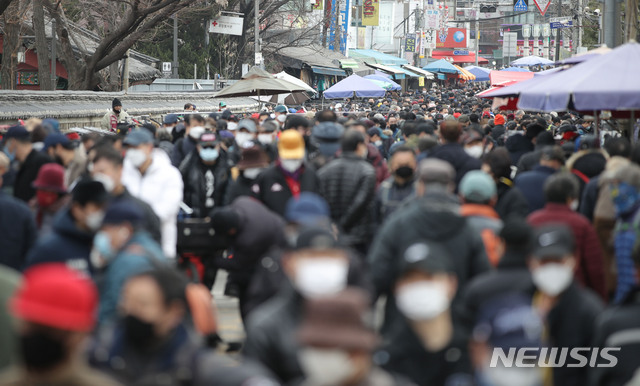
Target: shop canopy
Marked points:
418	71
529	61
499	77
464	74
516	69
459	59
579	58
383	82
608	82
482	74
373	56
441	66
258	82
357	85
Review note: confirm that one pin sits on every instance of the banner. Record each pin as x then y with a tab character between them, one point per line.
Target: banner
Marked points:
421	81
433	19
452	38
318	6
228	25
362	36
371	12
410	43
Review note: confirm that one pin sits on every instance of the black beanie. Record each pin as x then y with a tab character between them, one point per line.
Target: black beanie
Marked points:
116	102
89	191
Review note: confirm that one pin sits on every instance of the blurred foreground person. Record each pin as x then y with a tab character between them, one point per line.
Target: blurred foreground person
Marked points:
317	267
18	147
121	248
17	225
56	307
51	196
153	344
425	345
567	309
73	229
337	345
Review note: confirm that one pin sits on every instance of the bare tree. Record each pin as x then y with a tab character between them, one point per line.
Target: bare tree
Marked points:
42	48
4	4
138	17
12	17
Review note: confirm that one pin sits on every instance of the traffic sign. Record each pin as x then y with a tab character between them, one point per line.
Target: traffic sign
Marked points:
542	5
166	66
521	6
510	44
560	22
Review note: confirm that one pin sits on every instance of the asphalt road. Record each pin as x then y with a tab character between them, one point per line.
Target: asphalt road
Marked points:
229	322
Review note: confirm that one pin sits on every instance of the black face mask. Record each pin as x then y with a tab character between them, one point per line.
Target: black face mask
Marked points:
393	127
137	332
116	112
404	172
41	352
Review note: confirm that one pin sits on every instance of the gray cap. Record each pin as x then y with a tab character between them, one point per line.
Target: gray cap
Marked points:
433	170
247	124
553	241
138	137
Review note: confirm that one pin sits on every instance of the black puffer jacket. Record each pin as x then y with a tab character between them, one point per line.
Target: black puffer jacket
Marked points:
272	190
195	189
349	184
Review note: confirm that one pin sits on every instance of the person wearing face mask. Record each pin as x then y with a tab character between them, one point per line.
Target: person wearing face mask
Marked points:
280	115
51	196
288	176
72	158
73	229
561	193
55	307
194	128
245	133
206	175
18	147
153	341
121	249
400	187
349	184
425	345
114	116
478	194
568	309
267	138
18	221
149	176
325	141
107	168
472	142
253	161
337	344
377	138
507	322
316	267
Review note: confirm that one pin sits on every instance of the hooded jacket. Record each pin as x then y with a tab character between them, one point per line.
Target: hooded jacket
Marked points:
66	244
161	187
195	187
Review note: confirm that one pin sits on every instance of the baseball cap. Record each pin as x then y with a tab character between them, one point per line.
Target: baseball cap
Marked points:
170	119
18	132
247	124
208	139
430	257
280	109
138	137
308	209
291	145
222	104
477	186
552	241
377	131
56	139
123	211
54	295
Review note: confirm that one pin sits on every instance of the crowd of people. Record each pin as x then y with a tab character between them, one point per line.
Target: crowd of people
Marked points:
394	241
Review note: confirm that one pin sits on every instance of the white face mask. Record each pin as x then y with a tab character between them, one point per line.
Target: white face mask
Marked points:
509	376
291	165
242	138
106	181
281	118
265	139
422	300
251	173
94	220
318	276
231	126
574	205
553	278
474	151
137	157
378	143
326	367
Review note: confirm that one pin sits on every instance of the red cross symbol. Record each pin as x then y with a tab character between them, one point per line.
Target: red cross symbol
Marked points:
215	23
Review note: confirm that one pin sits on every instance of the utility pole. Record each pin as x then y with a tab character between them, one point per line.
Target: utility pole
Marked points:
631	20
558	31
477	32
125	80
175	47
611	13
